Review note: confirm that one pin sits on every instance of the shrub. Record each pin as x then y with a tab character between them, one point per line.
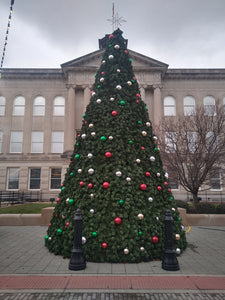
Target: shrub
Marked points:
182	204
206	208
220	209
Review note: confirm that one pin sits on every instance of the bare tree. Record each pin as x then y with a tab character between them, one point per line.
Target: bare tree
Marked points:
193	146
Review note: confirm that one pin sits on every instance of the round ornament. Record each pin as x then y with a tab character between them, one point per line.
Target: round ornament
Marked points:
118	87
71	174
46	237
104	245
77	156
126	251
83	136
102	73
142	249
137	101
71	201
57	200
49	225
150	199
90	155
112	99
138	161
92	211
81	183
155	239
179	218
169	190
128	179
90	185
138	96
144	133
110	137
142	148
121	202
79	171
114	113
143	187
178	251
98	101
93	133
140	232
103	138
157	218
105	185
166	175
122	102
59	231
125	51
94	234
50	239
140	216
159	188
177	237
165	183
111	36
93	94
67	224
102	79
152	158
67	200
148	124
117	221
117	47
118	70
63	217
130	142
118	173
108	154
173	209
147	174
92	195
129	83
158	174
111	56
84	240
103	62
91	171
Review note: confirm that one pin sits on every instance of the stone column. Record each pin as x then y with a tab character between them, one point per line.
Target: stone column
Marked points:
70	120
157	105
87	96
142	90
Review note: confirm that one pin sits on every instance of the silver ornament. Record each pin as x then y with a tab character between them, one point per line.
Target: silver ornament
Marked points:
173	209
177	237
148	124
118	70
102	79
83	136
103	62
79	171
144	133
91	171
111	137
178	251
112	99
111	56
152	158
117	47
157	218
128	179
126	251
140	216
93	133
92	211
155	138
129	82
98	101
91	125
150	199
90	155
67	200
166	175
142	249
118	173
92	195
118	87
84	240
158	174
92	94
138	160
50	238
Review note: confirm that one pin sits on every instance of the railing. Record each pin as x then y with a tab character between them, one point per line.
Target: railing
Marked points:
14	197
209	196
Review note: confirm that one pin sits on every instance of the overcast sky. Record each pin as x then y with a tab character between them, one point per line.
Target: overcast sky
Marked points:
47	33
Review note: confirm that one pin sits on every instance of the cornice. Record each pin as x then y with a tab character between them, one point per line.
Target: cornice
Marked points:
190	74
16	73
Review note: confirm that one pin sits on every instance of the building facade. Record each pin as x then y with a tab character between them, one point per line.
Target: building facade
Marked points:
41	114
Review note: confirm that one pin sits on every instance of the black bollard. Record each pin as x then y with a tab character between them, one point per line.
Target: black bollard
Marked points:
170	262
77	261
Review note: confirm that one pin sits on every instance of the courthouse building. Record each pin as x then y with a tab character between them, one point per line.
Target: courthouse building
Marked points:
41	114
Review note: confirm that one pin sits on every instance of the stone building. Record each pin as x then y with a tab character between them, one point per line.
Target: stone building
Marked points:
41	114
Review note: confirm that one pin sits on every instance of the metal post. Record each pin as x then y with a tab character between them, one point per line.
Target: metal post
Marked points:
77	261
170	262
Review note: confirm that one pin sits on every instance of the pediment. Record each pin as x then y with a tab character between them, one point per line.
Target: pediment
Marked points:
93	61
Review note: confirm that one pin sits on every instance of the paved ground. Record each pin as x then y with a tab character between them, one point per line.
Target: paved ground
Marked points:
28	271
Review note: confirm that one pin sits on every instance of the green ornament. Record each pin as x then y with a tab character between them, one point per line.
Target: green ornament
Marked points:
121	202
77	144
171	198
94	234
146	108
63	188
59	231
130	142
71	201
46	237
139	122
84	115
156	149
140	232
95	74
98	86
130	60
103	138
132	80
179	218
122	103
110	45
71	174
77	156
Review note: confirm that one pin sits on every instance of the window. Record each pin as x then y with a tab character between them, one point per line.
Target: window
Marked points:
57	141
19	106
1	135
37	140
59	106
215	179
211	141
39	106
170	141
35	179
189	106
13	179
209	106
55	180
16	142
192	141
2	106
169	106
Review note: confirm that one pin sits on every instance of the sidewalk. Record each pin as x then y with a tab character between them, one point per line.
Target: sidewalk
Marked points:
27	267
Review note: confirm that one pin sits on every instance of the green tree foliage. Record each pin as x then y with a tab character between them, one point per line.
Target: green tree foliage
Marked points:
116	175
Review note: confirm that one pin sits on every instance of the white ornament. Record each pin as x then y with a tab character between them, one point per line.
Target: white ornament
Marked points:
129	82
91	195
118	70
111	56
144	133
177	237
118	173
182	227
103	62
152	158
83	136
173	209
67	200
91	125
157	218
79	171
111	137
63	217
140	216
92	211
158	174
126	251
117	47
166	175
150	199
112	99
93	133
50	238
98	101
90	155
138	160
84	240
128	179
102	79
92	94
178	251
155	138
118	87
91	171
142	249
148	124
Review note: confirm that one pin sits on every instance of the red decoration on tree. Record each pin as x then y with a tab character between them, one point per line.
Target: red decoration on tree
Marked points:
90	185
138	95
67	224
57	200
104	245
70	161
105	185
117	220
142	148
143	187
108	154
155	239
56	215
111	36
166	183
103	73
49	225
125	51
114	113
134	78
169	190
137	101
147	174
159	188
81	183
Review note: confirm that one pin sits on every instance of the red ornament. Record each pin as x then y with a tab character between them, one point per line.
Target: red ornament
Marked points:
159	188
56	215
105	185
137	101
143	187
81	183
49	225
104	245
155	239
114	113
90	185
67	224
125	51
61	184
166	183
138	95
142	148
92	92
57	200
169	190
117	220
147	174
134	78
103	73
111	36
108	154
85	122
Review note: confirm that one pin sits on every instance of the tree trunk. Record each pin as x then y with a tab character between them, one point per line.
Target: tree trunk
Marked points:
195	199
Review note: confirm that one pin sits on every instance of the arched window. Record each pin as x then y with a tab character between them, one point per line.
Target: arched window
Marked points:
169	106
39	106
189	106
59	106
19	106
210	106
2	106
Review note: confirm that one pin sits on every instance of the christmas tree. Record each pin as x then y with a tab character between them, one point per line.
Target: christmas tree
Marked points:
115	176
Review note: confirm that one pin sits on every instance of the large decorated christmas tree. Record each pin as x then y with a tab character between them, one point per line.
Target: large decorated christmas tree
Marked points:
115	176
